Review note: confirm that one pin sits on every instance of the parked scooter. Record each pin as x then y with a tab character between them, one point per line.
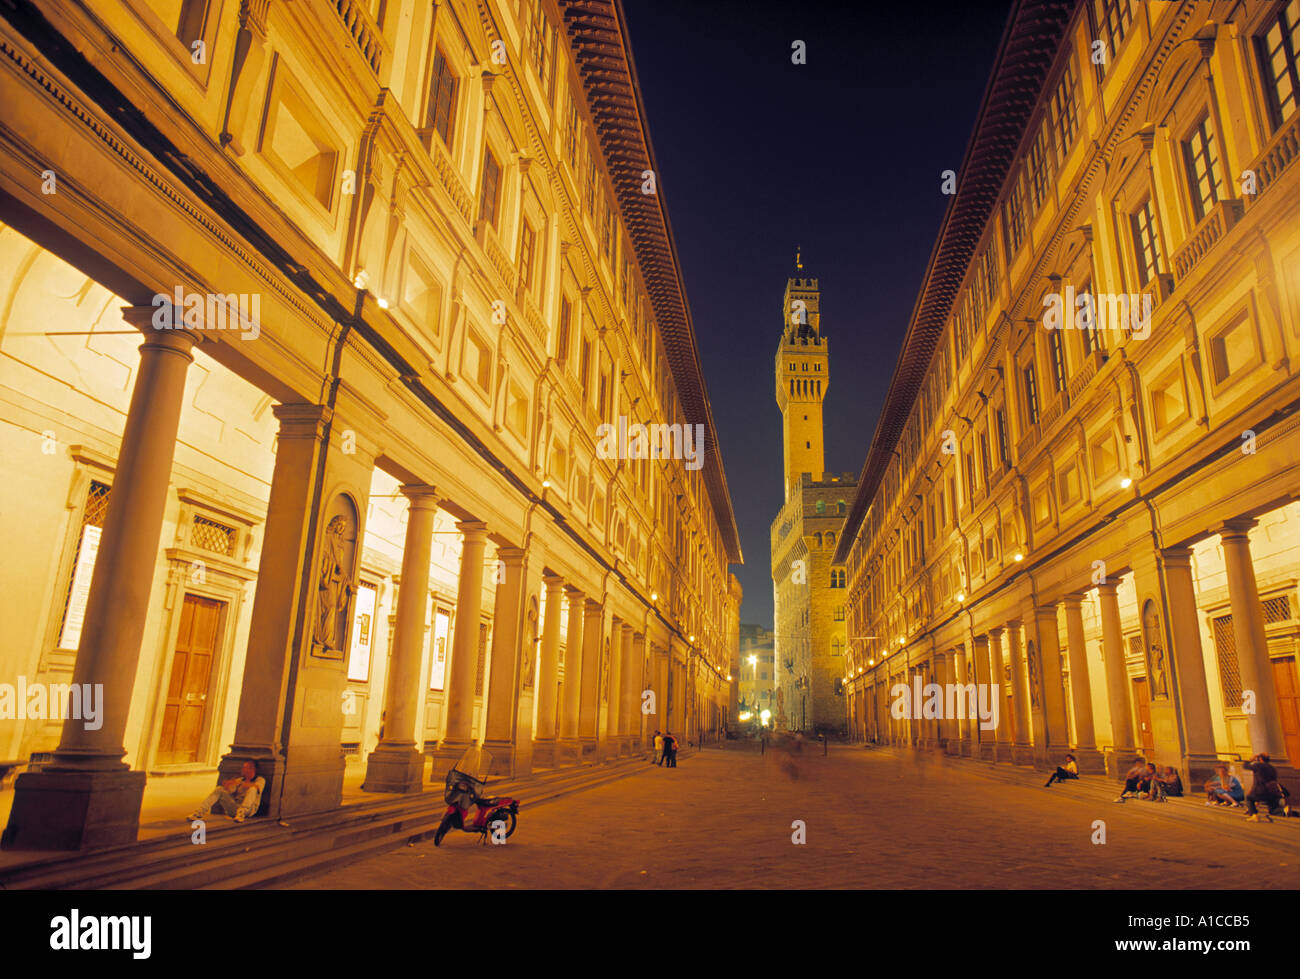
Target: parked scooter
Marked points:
493	818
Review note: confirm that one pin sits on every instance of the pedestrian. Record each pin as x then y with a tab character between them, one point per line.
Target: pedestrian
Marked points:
1070	770
1133	779
670	749
659	749
1264	787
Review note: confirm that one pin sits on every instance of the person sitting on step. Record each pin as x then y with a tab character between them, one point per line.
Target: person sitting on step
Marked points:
1070	770
236	797
1223	788
1171	783
1133	779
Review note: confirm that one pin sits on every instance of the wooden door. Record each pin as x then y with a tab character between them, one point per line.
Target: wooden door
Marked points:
1288	705
187	691
1143	702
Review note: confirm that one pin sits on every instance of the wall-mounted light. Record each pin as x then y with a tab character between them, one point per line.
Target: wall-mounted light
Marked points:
654	596
1125	483
383	303
1019	556
362	279
546	484
961	596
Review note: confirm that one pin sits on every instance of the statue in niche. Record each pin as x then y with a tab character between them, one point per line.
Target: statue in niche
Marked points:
1031	656
530	647
604	672
1155	648
334	586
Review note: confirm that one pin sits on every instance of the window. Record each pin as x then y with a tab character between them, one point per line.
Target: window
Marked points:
477	364
1038	167
441	111
517	410
571	134
489	198
1004	446
1278	63
970	476
83	565
1087	320
421	295
1203	174
566	317
1114	17
1146	246
1057	346
589	183
602	398
584	369
527	250
541	48
1065	112
985	461
839	613
1169	398
298	142
1014	217
1233	348
1031	393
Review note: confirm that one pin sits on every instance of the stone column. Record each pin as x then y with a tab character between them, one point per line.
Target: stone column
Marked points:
1123	752
1022	752
1265	724
1002	739
634	682
964	746
570	749
86	796
397	764
509	648
612	745
544	742
593	616
1057	742
1085	751
464	647
948	726
1189	664
981	741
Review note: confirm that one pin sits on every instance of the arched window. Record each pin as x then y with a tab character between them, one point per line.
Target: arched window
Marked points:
821	507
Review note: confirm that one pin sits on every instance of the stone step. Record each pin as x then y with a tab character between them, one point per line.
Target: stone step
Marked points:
307	843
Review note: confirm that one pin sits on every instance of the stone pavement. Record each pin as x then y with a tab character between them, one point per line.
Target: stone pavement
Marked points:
875	818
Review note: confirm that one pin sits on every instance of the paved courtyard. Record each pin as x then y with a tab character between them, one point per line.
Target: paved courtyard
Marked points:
874	818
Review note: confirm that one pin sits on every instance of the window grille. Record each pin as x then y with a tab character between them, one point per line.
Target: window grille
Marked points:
1225	646
92	515
212	536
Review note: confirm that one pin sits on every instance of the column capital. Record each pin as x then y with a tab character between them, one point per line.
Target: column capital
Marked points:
554	584
593	608
178	342
1109	587
474	531
1073	601
996	632
1014	624
142	318
512	557
1238	528
301	421
1045	609
1177	557
980	640
421	497
575	594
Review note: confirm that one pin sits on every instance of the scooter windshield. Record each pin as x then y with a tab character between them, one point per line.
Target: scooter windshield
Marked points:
476	763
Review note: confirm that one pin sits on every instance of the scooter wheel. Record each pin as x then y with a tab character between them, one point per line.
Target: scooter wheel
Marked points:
504	816
443	827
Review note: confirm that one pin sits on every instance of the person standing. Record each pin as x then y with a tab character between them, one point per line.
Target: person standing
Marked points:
659	748
670	749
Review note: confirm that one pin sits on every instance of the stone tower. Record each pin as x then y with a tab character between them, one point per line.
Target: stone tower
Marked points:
802	377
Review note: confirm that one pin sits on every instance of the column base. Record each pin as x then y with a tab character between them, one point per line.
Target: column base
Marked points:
1119	762
1200	769
71	810
952	747
445	756
1090	761
1022	754
312	780
546	753
590	753
394	769
965	748
503	757
988	751
568	751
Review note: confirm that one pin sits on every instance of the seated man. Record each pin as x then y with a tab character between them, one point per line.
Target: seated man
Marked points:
1223	789
1171	783
237	797
1133	779
1264	788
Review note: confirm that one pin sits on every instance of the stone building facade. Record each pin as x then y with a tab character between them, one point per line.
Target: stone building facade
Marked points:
1097	515
353	507
809	615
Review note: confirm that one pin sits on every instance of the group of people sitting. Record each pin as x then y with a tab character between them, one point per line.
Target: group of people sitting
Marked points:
1145	781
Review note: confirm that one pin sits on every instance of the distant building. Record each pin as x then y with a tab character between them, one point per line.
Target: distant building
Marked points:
757	668
1093	516
808	595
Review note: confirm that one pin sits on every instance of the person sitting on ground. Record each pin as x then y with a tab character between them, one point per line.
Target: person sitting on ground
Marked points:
1223	789
1133	779
1264	787
1171	783
236	797
1070	770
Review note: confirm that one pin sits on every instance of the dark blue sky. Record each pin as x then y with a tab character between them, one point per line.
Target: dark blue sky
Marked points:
842	156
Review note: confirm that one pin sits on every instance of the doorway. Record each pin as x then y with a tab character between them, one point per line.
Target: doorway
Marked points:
1142	699
185	712
1288	705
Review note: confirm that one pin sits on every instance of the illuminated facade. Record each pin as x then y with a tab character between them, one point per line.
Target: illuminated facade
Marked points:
379	520
1097	514
808	595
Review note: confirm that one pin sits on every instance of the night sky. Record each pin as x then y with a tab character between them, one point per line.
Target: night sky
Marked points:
840	156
